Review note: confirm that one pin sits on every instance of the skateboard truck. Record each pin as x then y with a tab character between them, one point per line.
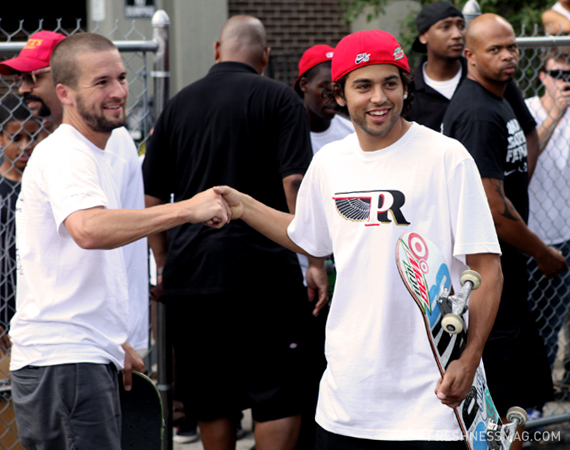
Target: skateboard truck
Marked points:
501	437
454	306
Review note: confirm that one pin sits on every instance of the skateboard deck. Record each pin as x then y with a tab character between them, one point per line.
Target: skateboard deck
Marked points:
8	429
426	275
142	416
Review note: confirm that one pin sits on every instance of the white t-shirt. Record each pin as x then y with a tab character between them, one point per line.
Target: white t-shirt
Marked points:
72	304
381	374
560	9
549	188
127	172
338	129
445	88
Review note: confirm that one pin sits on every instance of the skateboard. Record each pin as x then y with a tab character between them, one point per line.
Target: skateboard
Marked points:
8	429
142	416
426	276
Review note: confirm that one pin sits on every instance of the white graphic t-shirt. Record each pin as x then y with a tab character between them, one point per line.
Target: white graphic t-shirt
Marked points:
381	374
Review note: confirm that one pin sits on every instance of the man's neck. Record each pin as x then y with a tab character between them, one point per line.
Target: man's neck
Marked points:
442	69
316	123
10	172
370	143
496	88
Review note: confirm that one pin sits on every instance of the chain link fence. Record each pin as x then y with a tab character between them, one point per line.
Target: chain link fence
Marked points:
544	79
20	132
550	187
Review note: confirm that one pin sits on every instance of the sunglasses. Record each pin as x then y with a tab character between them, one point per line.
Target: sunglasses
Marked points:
30	78
559	74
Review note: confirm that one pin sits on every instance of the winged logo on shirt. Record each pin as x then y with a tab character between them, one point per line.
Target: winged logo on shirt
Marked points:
357	207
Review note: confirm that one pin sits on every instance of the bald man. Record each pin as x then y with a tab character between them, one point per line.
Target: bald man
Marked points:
485	123
238	299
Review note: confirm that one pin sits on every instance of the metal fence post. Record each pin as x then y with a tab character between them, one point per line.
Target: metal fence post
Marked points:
161	76
161	72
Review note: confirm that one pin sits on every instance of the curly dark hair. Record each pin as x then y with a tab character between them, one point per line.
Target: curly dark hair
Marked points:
337	88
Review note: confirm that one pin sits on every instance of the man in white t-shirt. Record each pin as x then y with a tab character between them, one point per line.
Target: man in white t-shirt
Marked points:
70	329
556	20
35	85
313	79
359	196
549	214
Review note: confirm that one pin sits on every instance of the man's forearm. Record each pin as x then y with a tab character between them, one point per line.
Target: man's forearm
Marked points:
510	226
269	222
100	228
546	128
483	303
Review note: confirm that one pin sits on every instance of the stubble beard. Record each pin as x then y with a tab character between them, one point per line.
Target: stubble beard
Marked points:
99	123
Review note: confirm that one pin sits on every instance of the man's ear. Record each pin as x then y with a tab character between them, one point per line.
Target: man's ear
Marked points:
303	85
265	57
423	38
338	94
469	55
65	94
217	51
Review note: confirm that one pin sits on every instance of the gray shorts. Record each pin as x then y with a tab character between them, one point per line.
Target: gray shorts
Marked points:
68	407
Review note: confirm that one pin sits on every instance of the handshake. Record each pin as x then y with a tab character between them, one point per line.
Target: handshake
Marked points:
215	207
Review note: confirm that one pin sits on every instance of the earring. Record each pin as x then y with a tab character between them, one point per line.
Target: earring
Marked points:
341	104
405	96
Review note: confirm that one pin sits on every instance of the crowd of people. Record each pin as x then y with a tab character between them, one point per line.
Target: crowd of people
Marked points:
242	197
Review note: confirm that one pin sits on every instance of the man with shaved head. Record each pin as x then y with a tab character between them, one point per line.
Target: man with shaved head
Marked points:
70	331
237	299
482	120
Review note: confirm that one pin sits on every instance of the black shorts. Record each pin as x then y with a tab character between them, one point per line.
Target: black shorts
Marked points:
325	440
234	352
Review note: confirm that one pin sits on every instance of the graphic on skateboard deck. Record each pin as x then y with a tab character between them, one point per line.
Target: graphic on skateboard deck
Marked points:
142	415
426	276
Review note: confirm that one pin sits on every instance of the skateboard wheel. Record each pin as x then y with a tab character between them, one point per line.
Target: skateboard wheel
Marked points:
470	275
452	323
516	412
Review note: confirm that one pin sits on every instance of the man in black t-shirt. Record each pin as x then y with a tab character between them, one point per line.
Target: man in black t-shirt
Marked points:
485	123
238	300
441	36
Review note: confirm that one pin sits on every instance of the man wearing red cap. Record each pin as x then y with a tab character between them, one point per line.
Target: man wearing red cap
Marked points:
358	197
33	76
314	78
326	126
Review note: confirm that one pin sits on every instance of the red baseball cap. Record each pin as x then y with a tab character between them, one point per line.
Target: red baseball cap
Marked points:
35	55
312	57
365	48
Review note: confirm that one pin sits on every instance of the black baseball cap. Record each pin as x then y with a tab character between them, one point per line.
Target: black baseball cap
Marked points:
430	14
